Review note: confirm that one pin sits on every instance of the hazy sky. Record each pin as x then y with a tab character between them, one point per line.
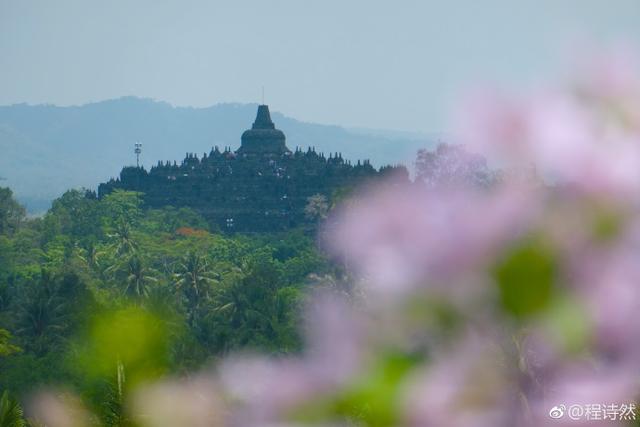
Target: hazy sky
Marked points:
370	63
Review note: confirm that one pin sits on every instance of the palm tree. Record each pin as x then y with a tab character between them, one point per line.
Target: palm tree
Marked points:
133	273
231	301
138	277
43	312
194	278
11	414
228	320
90	255
247	305
123	242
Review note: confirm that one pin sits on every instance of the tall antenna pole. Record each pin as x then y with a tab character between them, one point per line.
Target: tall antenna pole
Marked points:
262	95
138	150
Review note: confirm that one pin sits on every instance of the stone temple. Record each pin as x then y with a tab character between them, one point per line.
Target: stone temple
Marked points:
263	137
263	186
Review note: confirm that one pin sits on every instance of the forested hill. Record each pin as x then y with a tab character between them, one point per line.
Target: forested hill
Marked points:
48	149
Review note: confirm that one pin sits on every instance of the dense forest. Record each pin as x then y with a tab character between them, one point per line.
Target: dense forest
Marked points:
152	290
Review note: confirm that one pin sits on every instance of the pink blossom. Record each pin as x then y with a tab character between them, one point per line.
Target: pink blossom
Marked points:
58	409
402	237
612	294
192	402
467	385
582	386
262	390
589	138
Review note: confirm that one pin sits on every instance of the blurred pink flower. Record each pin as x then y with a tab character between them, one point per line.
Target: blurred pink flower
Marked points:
261	390
581	386
467	385
610	83
588	138
612	295
493	124
193	402
400	238
58	409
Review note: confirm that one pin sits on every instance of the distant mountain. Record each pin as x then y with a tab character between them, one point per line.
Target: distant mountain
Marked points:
48	149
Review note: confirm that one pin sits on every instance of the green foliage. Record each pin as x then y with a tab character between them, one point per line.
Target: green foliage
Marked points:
130	343
194	279
11	414
568	324
25	372
122	207
256	310
169	219
526	277
11	213
103	294
607	225
371	400
75	214
41	318
122	239
374	400
131	271
6	348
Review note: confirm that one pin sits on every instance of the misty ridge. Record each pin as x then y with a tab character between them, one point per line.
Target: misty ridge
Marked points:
48	149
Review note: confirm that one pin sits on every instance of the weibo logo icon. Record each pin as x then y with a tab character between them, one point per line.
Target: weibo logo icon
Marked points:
557	412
